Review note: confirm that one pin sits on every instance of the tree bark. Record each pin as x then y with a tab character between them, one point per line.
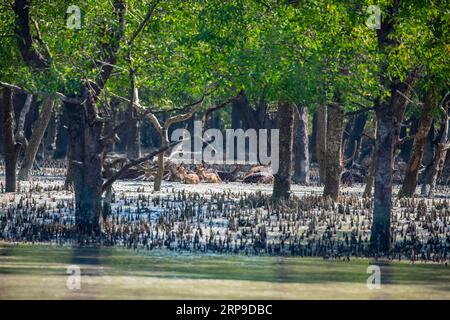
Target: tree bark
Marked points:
133	136
62	136
86	162
235	118
11	147
2	136
321	139
406	147
373	158
282	181
301	144
312	140
440	154
134	133
410	181
50	137
354	138
160	172
389	115
36	137
333	169
248	116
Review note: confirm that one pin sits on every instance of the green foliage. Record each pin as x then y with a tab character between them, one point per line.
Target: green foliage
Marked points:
304	53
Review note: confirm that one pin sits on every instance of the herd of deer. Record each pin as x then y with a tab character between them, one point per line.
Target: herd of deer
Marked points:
257	174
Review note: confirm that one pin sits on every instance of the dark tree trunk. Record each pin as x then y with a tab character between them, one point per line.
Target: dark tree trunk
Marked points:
11	147
2	135
39	128
313	140
406	147
428	158
86	159
62	136
354	138
68	182
133	136
440	154
50	137
381	233
321	139
282	181
389	117
446	170
410	181
333	169
248	116
134	133
389	114
235	118
301	143
373	158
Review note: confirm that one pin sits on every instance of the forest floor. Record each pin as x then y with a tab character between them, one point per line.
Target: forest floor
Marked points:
40	272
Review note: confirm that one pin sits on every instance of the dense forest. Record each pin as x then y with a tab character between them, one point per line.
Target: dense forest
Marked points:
359	93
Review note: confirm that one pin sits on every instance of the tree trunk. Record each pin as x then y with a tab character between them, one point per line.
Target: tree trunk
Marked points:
133	137
406	147
248	116
389	116
312	140
86	157
50	137
36	137
373	158
11	148
410	181
333	169
68	182
438	164
321	139
446	170
62	136
134	133
440	155
301	144
381	225
2	135
354	138
160	172
282	181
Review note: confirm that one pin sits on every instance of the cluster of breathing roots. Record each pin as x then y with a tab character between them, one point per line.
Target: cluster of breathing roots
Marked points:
232	223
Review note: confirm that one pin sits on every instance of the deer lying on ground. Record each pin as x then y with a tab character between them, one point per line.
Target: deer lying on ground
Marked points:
189	178
206	176
259	174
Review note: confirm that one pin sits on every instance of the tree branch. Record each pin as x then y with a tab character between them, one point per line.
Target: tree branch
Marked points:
134	163
141	26
28	51
58	94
